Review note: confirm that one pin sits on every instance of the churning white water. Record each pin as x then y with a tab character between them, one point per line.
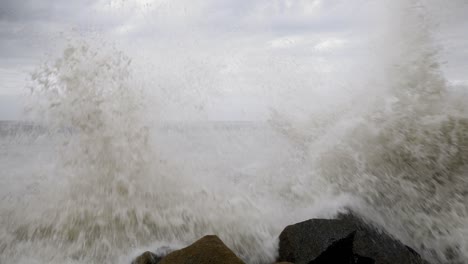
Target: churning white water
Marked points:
99	174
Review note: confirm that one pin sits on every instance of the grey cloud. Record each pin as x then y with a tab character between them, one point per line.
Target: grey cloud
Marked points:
41	10
11	10
29	27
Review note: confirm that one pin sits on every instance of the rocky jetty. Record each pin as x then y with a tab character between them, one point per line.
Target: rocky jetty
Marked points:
345	240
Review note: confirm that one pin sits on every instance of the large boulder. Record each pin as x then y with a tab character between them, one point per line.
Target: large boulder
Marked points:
372	243
305	241
340	251
319	240
207	250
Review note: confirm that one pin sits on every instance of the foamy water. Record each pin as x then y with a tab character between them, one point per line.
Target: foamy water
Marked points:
101	176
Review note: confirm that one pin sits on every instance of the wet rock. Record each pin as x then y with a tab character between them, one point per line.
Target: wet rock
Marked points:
362	260
147	258
340	251
303	242
377	245
207	250
346	240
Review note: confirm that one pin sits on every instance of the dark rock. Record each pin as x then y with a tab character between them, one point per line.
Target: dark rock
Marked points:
315	240
303	242
377	245
147	258
207	250
363	260
340	251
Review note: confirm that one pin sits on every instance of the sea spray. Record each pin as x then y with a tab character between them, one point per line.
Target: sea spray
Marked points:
87	99
407	158
110	190
90	94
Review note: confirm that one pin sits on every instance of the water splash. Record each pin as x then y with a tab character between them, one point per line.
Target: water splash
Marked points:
407	158
116	185
109	182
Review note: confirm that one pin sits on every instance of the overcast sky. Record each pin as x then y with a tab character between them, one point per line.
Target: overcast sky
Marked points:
312	33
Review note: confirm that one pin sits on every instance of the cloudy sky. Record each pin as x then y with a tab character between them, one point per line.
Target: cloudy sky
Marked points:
208	42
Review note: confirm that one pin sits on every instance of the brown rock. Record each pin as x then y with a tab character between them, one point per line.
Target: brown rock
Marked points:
207	250
147	258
